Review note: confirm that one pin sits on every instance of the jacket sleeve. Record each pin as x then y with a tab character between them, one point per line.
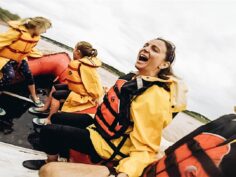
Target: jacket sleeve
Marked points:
91	81
150	117
8	37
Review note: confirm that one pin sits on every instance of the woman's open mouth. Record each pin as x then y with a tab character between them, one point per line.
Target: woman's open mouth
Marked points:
143	58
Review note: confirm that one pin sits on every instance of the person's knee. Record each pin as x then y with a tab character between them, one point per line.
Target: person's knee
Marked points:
49	170
45	171
8	76
55	118
46	131
11	75
55	94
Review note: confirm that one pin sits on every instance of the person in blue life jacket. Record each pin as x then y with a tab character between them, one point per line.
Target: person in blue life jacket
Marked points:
128	124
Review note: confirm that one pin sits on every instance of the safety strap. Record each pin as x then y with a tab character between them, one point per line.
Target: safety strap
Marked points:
116	120
29	41
207	164
116	91
116	150
172	166
229	140
107	104
99	114
16	51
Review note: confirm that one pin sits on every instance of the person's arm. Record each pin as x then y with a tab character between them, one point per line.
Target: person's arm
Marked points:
91	81
150	113
8	37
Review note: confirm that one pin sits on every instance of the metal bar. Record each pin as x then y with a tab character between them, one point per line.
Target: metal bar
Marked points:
17	96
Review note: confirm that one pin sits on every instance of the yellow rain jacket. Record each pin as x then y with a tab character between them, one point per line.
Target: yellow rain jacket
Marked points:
16	44
84	83
150	112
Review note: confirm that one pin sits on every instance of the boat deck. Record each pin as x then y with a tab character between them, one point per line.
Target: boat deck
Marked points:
11	158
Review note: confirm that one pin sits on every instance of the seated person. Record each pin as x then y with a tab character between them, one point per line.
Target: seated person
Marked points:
15	45
128	123
83	89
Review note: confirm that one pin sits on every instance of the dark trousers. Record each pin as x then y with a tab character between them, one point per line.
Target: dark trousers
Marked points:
62	91
9	72
68	131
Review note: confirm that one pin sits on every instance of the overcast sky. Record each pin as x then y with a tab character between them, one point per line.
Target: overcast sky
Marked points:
204	33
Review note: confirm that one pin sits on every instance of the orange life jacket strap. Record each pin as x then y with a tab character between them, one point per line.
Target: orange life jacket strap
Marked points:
170	161
110	109
16	51
100	116
207	163
116	150
116	90
28	41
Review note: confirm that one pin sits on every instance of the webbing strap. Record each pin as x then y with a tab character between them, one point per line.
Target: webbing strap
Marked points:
116	90
172	166
207	164
99	114
116	120
116	150
16	51
108	105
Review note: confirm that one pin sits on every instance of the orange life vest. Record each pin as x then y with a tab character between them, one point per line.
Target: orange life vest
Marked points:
21	47
74	79
209	151
107	113
113	116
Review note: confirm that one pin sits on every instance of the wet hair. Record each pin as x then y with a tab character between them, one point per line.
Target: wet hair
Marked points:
86	49
40	22
170	57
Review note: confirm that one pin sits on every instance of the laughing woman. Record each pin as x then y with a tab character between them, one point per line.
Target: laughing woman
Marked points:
128	124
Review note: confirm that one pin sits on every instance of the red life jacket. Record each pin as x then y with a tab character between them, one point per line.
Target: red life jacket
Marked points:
209	151
106	118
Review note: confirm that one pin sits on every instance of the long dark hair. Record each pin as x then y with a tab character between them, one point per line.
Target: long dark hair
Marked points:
170	57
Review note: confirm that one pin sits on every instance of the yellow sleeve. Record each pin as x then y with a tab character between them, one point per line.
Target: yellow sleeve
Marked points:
91	81
150	113
8	37
35	53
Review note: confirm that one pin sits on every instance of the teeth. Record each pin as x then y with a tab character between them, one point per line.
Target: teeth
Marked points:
143	57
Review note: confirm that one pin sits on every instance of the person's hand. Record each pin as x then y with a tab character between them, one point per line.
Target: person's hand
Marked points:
47	121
